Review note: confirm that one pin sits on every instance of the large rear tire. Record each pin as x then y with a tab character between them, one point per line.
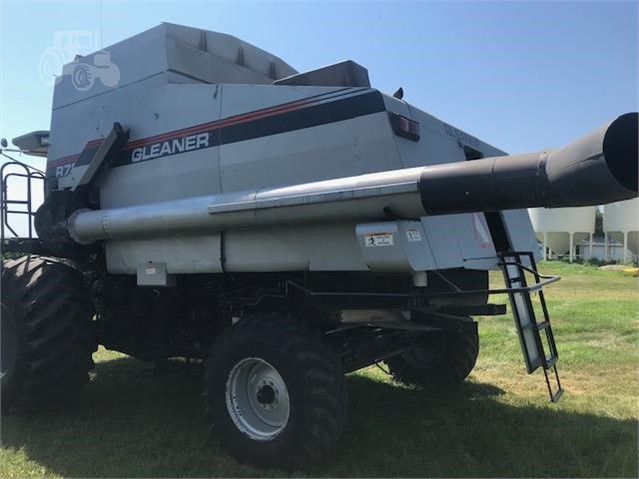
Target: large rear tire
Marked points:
446	359
275	394
47	341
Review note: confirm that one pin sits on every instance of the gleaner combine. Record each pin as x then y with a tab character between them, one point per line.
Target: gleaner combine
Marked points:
285	227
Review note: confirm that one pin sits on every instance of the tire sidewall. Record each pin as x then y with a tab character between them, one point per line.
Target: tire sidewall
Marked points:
9	383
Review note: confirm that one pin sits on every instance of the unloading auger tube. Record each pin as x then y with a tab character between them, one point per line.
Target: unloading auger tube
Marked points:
599	168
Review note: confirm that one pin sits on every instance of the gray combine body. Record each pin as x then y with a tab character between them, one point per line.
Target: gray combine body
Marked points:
252	136
287	226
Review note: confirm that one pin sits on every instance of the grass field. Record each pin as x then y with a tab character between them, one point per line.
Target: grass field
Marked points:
132	423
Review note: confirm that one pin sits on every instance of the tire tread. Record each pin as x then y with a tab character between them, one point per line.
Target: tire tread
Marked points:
51	307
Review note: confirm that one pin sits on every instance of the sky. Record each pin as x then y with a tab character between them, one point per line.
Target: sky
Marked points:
520	75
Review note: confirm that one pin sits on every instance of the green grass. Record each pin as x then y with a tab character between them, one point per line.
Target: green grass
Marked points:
132	423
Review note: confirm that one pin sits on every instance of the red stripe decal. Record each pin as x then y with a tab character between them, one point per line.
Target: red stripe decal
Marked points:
233	120
254	115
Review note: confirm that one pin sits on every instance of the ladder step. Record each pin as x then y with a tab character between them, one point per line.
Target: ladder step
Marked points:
539	326
543	325
555	397
551	361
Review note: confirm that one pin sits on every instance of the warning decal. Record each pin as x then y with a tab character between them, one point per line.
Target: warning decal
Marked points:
378	239
413	235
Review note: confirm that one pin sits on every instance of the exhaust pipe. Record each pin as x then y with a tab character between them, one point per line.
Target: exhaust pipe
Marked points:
599	168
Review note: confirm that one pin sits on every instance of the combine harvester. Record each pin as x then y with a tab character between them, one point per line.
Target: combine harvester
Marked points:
285	227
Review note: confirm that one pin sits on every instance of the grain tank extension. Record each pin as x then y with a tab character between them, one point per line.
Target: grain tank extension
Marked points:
286	227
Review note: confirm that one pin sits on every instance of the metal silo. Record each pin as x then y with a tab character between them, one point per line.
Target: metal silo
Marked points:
621	222
561	229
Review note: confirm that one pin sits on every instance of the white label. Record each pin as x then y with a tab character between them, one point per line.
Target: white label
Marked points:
150	270
379	239
413	235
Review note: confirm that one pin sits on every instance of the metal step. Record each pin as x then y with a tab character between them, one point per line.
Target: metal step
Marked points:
551	361
557	395
543	325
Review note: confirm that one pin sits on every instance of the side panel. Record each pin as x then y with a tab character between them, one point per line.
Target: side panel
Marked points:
310	247
182	255
322	142
520	232
158	108
191	173
395	246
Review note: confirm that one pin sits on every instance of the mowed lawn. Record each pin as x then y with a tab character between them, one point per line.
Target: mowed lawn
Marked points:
133	423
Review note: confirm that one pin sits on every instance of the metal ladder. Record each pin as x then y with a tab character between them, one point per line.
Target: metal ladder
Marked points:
515	265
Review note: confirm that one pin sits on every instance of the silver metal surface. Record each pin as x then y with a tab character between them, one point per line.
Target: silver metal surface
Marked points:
154	274
196	55
257	399
361	197
388	246
282	198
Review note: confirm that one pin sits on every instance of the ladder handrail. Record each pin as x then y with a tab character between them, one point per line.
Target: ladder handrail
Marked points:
30	174
523	289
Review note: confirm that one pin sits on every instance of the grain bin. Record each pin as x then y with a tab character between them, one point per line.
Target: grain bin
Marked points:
621	222
561	229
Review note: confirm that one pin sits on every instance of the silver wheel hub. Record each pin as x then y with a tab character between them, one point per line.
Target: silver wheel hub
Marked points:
257	399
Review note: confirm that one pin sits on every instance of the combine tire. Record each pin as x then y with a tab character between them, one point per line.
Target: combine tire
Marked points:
446	359
275	395
46	333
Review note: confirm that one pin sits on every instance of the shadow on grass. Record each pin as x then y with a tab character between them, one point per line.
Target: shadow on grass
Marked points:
133	423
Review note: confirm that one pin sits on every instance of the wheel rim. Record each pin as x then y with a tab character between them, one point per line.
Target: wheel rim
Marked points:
8	346
257	399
